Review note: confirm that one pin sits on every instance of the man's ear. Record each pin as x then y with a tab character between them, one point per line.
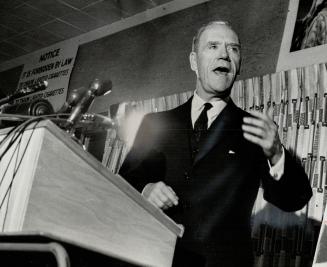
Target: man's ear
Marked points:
194	63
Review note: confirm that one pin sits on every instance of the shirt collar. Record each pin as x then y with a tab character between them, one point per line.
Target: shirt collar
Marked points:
197	106
197	102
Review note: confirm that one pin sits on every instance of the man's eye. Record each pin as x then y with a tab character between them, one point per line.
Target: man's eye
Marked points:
213	46
234	49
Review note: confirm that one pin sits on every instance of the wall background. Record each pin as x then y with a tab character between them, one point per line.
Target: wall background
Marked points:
146	55
151	59
9	80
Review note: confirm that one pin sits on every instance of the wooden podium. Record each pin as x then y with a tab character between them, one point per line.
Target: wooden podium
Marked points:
50	185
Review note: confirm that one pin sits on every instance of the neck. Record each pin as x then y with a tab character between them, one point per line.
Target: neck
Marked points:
223	96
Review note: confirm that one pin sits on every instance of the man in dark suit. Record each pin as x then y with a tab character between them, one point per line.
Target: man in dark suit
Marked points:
208	179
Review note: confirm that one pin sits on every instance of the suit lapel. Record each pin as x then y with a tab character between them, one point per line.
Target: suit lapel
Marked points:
182	116
221	132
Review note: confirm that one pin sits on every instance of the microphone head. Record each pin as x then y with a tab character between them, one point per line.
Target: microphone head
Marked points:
96	88
75	95
100	87
95	85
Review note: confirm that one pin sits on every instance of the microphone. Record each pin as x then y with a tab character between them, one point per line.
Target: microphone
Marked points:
73	98
97	88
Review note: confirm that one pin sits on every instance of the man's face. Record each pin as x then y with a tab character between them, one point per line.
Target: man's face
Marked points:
216	62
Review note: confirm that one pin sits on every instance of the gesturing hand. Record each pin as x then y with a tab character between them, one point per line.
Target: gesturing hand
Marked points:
261	130
160	195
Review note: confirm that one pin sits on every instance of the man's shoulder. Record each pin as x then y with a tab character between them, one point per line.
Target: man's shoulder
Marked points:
182	109
168	119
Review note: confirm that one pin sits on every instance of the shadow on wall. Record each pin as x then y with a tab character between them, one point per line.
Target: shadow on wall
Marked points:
284	238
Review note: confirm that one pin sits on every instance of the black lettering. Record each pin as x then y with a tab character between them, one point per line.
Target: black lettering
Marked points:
67	61
37	96
50	54
23	100
58	74
41	79
43	68
54	92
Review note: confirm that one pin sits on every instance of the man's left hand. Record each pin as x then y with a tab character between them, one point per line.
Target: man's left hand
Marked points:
262	130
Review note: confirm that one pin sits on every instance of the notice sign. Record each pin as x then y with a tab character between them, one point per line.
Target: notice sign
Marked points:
53	65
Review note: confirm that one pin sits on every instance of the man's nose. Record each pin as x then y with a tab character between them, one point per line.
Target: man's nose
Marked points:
224	52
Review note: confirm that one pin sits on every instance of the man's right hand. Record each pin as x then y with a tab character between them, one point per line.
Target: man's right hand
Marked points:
160	195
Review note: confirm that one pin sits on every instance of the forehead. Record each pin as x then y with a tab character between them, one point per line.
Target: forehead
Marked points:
218	32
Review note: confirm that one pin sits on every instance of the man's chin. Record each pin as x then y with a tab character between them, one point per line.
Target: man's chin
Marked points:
223	94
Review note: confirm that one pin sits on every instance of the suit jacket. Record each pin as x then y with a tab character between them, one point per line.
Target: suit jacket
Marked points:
216	188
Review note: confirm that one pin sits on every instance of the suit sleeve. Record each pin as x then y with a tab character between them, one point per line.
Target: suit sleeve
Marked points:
292	191
144	163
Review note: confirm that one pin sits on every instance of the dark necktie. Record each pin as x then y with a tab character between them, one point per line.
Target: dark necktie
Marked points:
201	124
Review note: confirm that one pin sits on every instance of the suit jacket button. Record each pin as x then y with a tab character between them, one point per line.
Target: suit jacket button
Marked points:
186	175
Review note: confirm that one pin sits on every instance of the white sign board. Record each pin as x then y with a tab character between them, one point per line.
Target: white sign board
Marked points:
53	65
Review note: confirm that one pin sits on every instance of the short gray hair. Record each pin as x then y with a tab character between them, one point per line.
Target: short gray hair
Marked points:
195	43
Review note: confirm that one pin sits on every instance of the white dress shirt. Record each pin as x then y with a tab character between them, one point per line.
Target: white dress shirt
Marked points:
276	171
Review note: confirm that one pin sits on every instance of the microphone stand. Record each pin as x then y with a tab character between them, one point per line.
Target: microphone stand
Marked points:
96	88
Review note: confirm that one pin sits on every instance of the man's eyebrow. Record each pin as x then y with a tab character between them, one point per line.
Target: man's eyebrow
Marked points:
234	44
214	42
219	42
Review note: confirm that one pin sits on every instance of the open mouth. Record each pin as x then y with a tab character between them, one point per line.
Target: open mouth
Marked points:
221	70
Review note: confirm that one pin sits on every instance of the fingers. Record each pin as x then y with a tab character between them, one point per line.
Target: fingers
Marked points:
261	130
255	131
170	194
260	124
261	120
254	139
160	195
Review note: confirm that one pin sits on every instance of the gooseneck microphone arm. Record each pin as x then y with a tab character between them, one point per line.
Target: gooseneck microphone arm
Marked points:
96	88
80	108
